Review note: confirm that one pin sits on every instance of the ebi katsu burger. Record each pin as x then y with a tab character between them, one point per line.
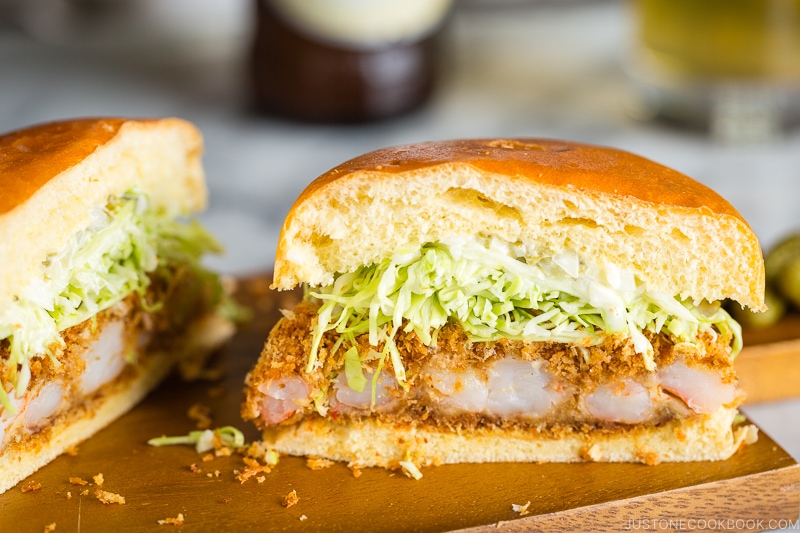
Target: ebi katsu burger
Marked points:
507	300
102	290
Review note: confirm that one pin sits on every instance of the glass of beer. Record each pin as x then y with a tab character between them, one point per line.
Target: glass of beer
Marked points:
729	66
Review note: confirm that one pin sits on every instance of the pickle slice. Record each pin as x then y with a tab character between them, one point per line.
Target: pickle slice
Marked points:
779	256
776	308
788	281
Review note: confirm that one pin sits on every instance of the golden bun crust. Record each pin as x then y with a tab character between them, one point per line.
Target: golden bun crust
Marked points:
547	162
602	202
31	157
53	175
372	443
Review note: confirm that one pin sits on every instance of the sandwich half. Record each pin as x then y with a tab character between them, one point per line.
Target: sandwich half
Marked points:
507	300
102	291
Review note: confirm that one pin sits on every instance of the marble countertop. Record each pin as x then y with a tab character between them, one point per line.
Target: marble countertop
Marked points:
517	70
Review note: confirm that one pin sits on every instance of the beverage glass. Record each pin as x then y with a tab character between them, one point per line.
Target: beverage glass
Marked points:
729	66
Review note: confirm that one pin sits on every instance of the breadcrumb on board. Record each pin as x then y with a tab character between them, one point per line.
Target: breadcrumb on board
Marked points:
318	463
252	468
177	521
109	497
521	509
31	486
290	499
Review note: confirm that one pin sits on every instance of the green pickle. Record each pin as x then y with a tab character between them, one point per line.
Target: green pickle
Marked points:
779	256
782	272
788	281
776	308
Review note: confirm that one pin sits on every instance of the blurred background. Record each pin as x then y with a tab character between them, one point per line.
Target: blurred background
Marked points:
565	69
284	90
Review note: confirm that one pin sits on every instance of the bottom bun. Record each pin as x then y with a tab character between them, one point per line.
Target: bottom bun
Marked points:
18	461
374	443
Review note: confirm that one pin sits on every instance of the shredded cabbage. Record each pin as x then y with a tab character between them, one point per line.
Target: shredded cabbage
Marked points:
99	267
492	291
203	440
410	469
353	371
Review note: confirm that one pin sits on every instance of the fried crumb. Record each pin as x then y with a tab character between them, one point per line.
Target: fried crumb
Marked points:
223	451
98	479
290	499
85	492
49	528
216	473
72	450
648	458
207	457
109	497
31	486
225	500
303	517
78	481
194	468
252	468
259	450
355	470
521	509
177	521
201	414
69	495
318	463
261	479
256	449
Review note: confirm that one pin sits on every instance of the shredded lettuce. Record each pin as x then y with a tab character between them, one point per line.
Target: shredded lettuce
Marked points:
99	267
493	290
410	469
203	440
353	371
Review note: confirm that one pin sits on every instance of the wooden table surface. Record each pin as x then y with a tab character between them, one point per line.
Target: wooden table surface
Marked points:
756	488
769	365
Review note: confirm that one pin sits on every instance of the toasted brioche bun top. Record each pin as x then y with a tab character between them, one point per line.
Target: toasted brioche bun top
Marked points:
677	235
53	175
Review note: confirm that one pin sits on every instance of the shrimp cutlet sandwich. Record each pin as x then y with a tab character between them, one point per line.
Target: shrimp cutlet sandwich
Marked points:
507	300
102	291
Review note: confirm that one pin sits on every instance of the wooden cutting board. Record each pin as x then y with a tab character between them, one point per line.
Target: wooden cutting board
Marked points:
769	365
754	490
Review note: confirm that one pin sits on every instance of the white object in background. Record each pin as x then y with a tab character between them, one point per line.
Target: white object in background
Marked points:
364	23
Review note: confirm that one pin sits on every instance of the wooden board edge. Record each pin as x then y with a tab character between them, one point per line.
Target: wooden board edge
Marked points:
739	504
765	350
770	372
